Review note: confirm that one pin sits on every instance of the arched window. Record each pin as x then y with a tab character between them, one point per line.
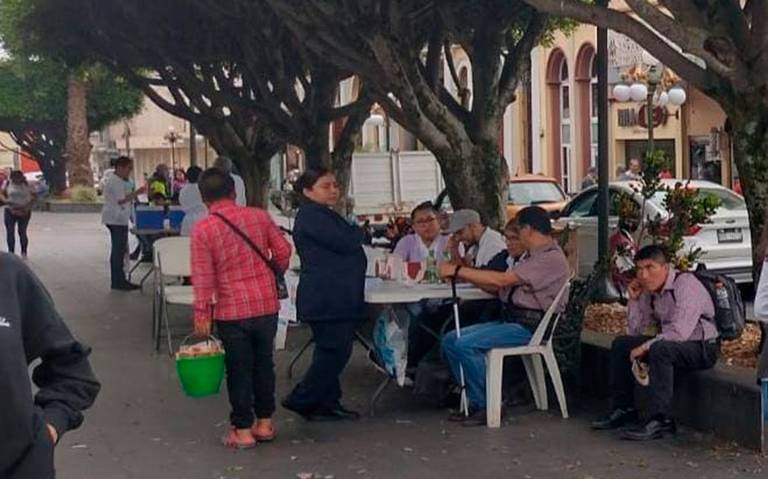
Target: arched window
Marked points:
565	127
465	93
593	111
585	84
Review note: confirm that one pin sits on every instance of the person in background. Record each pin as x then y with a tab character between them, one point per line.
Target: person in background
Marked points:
32	332
426	241
426	237
761	315
179	181
116	215
634	172
3	177
671	328
590	179
191	201
19	199
159	190
480	243
225	164
527	289
330	296
623	249
237	289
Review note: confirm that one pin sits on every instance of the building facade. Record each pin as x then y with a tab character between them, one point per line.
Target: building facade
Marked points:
563	116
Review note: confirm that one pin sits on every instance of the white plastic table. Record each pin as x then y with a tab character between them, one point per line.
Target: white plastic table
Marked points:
379	291
388	293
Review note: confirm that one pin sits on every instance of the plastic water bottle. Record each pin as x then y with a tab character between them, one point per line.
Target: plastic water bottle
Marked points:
167	224
722	296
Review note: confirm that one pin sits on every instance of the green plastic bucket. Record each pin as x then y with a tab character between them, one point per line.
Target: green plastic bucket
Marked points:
201	376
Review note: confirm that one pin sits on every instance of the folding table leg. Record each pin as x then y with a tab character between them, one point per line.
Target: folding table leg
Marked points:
146	275
379	391
296	357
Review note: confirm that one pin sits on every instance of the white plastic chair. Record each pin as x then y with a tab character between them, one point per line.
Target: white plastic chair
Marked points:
539	346
172	261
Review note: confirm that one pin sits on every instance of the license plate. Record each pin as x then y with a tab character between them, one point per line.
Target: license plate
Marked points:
729	235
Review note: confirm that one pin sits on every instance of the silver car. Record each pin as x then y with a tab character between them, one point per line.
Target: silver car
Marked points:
726	242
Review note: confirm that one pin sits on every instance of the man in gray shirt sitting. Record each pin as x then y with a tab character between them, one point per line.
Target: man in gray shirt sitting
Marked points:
529	288
671	326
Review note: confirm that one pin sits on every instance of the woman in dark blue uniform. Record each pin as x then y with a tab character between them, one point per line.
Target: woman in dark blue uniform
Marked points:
330	295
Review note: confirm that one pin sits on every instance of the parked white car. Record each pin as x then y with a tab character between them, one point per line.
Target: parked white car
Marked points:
726	242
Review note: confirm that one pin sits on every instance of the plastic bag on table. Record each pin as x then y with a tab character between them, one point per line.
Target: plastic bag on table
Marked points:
390	339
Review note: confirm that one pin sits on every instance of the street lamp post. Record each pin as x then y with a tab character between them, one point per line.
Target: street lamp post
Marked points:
657	86
172	137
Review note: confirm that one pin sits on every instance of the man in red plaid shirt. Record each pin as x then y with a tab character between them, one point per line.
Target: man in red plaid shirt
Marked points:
235	286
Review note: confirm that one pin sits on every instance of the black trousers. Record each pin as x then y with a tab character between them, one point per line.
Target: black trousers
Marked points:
12	222
663	359
249	344
320	388
119	237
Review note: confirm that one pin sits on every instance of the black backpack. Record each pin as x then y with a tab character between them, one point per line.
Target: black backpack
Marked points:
730	313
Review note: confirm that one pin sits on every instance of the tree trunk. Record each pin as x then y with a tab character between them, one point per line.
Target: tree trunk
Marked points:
57	177
750	145
474	179
78	146
255	171
317	148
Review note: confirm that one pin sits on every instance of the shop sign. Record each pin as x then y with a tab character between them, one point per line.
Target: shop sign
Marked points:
629	117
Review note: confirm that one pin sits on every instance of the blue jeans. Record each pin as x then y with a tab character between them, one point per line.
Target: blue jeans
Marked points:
469	351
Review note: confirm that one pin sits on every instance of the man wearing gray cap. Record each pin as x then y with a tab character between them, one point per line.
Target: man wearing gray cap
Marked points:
481	243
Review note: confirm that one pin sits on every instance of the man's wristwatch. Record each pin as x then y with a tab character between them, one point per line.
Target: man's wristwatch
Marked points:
456	271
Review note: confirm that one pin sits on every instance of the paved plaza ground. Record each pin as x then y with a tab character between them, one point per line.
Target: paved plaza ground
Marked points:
142	426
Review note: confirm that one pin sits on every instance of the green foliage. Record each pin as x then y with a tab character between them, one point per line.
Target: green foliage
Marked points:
83	194
686	207
34	91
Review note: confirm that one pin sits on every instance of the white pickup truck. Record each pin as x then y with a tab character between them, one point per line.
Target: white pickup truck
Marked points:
388	185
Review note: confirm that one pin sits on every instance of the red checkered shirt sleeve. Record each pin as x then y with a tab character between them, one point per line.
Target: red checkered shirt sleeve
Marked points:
203	272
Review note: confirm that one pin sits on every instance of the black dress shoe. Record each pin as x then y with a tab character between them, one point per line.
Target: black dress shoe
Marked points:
457	415
338	413
126	287
303	412
653	429
618	418
477	418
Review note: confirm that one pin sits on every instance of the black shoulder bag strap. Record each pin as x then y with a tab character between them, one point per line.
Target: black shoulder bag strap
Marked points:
282	291
245	238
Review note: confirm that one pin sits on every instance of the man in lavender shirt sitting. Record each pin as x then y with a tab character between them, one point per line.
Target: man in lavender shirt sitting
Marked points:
671	327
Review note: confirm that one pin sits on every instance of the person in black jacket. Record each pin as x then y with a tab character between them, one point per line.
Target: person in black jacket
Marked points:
330	296
31	329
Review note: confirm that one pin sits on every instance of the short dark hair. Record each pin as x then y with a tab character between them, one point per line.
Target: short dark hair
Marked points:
653	252
309	178
512	225
216	185
17	177
426	206
193	173
123	161
536	217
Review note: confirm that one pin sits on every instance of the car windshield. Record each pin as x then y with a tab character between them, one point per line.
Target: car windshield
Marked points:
534	192
728	199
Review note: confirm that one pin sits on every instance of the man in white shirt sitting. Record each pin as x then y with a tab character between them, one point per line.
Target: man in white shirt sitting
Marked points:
481	243
116	214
